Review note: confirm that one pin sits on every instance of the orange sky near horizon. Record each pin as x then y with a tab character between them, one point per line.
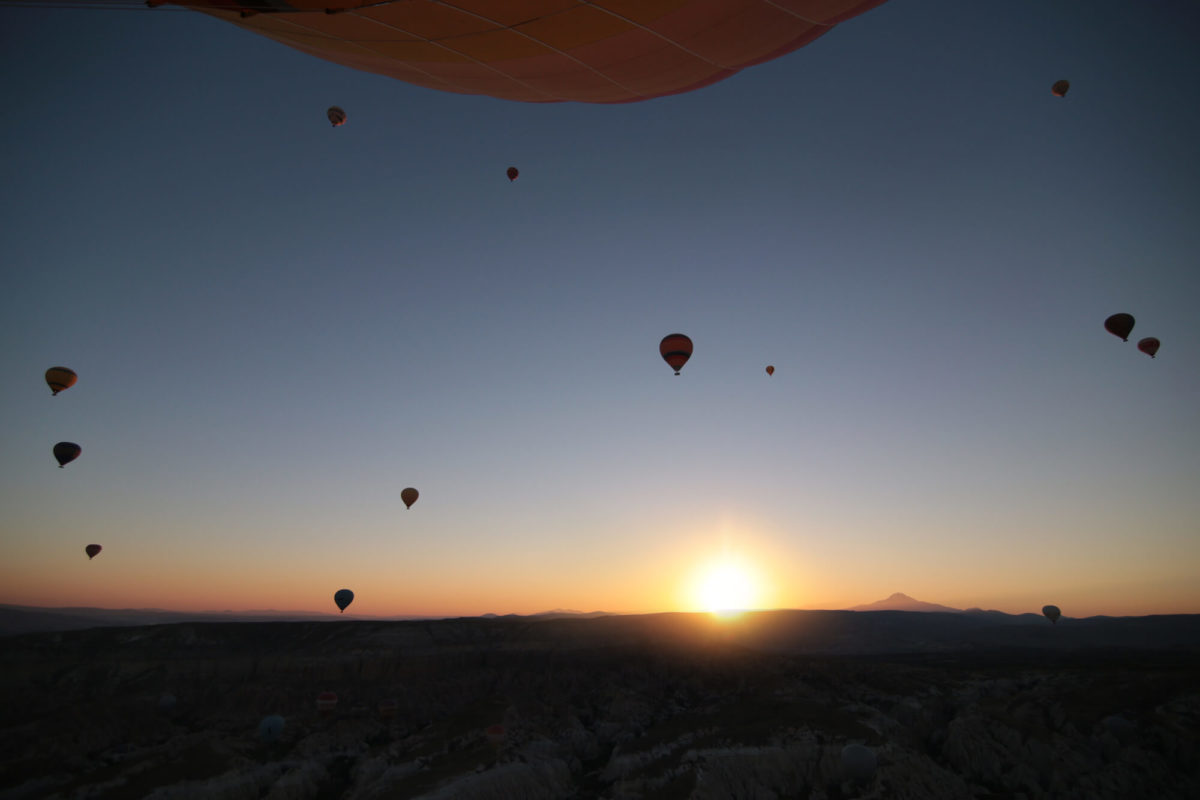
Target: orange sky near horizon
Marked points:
657	579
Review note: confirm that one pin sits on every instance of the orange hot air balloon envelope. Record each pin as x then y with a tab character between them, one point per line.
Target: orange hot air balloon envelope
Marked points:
675	349
1059	89
770	370
544	51
92	550
1149	346
512	173
1119	325
66	452
59	378
409	496
336	116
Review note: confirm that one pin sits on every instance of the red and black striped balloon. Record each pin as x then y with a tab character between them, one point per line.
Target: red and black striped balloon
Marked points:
675	349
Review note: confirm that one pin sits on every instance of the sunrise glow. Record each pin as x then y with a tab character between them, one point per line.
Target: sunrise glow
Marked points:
727	586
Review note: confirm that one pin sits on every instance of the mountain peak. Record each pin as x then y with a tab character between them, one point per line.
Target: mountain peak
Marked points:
899	601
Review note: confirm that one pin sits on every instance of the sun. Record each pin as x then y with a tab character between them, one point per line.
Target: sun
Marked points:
726	586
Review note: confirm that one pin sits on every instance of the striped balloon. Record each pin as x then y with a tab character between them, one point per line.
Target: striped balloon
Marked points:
59	378
675	349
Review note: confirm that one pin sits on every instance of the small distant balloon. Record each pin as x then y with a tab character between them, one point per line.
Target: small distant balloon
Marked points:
676	349
1052	613
409	496
343	598
770	370
336	116
512	173
1059	89
858	763
92	551
326	702
494	734
1119	325
271	728
59	378
1149	346
66	452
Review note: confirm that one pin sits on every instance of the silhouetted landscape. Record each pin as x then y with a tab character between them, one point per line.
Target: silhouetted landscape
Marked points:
954	705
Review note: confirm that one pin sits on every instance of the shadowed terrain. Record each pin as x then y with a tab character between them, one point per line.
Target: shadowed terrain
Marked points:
667	705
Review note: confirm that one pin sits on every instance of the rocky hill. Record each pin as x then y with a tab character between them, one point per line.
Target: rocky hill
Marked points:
656	706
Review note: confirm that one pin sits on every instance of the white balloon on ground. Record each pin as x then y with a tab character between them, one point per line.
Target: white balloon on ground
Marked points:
858	763
271	728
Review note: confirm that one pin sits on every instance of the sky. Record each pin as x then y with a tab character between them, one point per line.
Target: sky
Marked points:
278	324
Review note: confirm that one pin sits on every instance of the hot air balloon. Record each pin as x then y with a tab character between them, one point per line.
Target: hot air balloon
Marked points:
544	52
326	703
512	173
1052	613
858	763
1119	325
675	349
92	550
270	728
1059	89
336	116
343	598
409	496
770	370
59	378
66	452
1149	346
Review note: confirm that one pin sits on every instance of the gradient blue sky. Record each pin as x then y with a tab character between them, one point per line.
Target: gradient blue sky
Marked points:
278	325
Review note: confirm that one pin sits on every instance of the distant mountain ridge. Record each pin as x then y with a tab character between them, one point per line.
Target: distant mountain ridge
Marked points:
16	619
902	602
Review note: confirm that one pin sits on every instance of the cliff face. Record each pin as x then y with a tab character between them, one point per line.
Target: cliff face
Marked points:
508	710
